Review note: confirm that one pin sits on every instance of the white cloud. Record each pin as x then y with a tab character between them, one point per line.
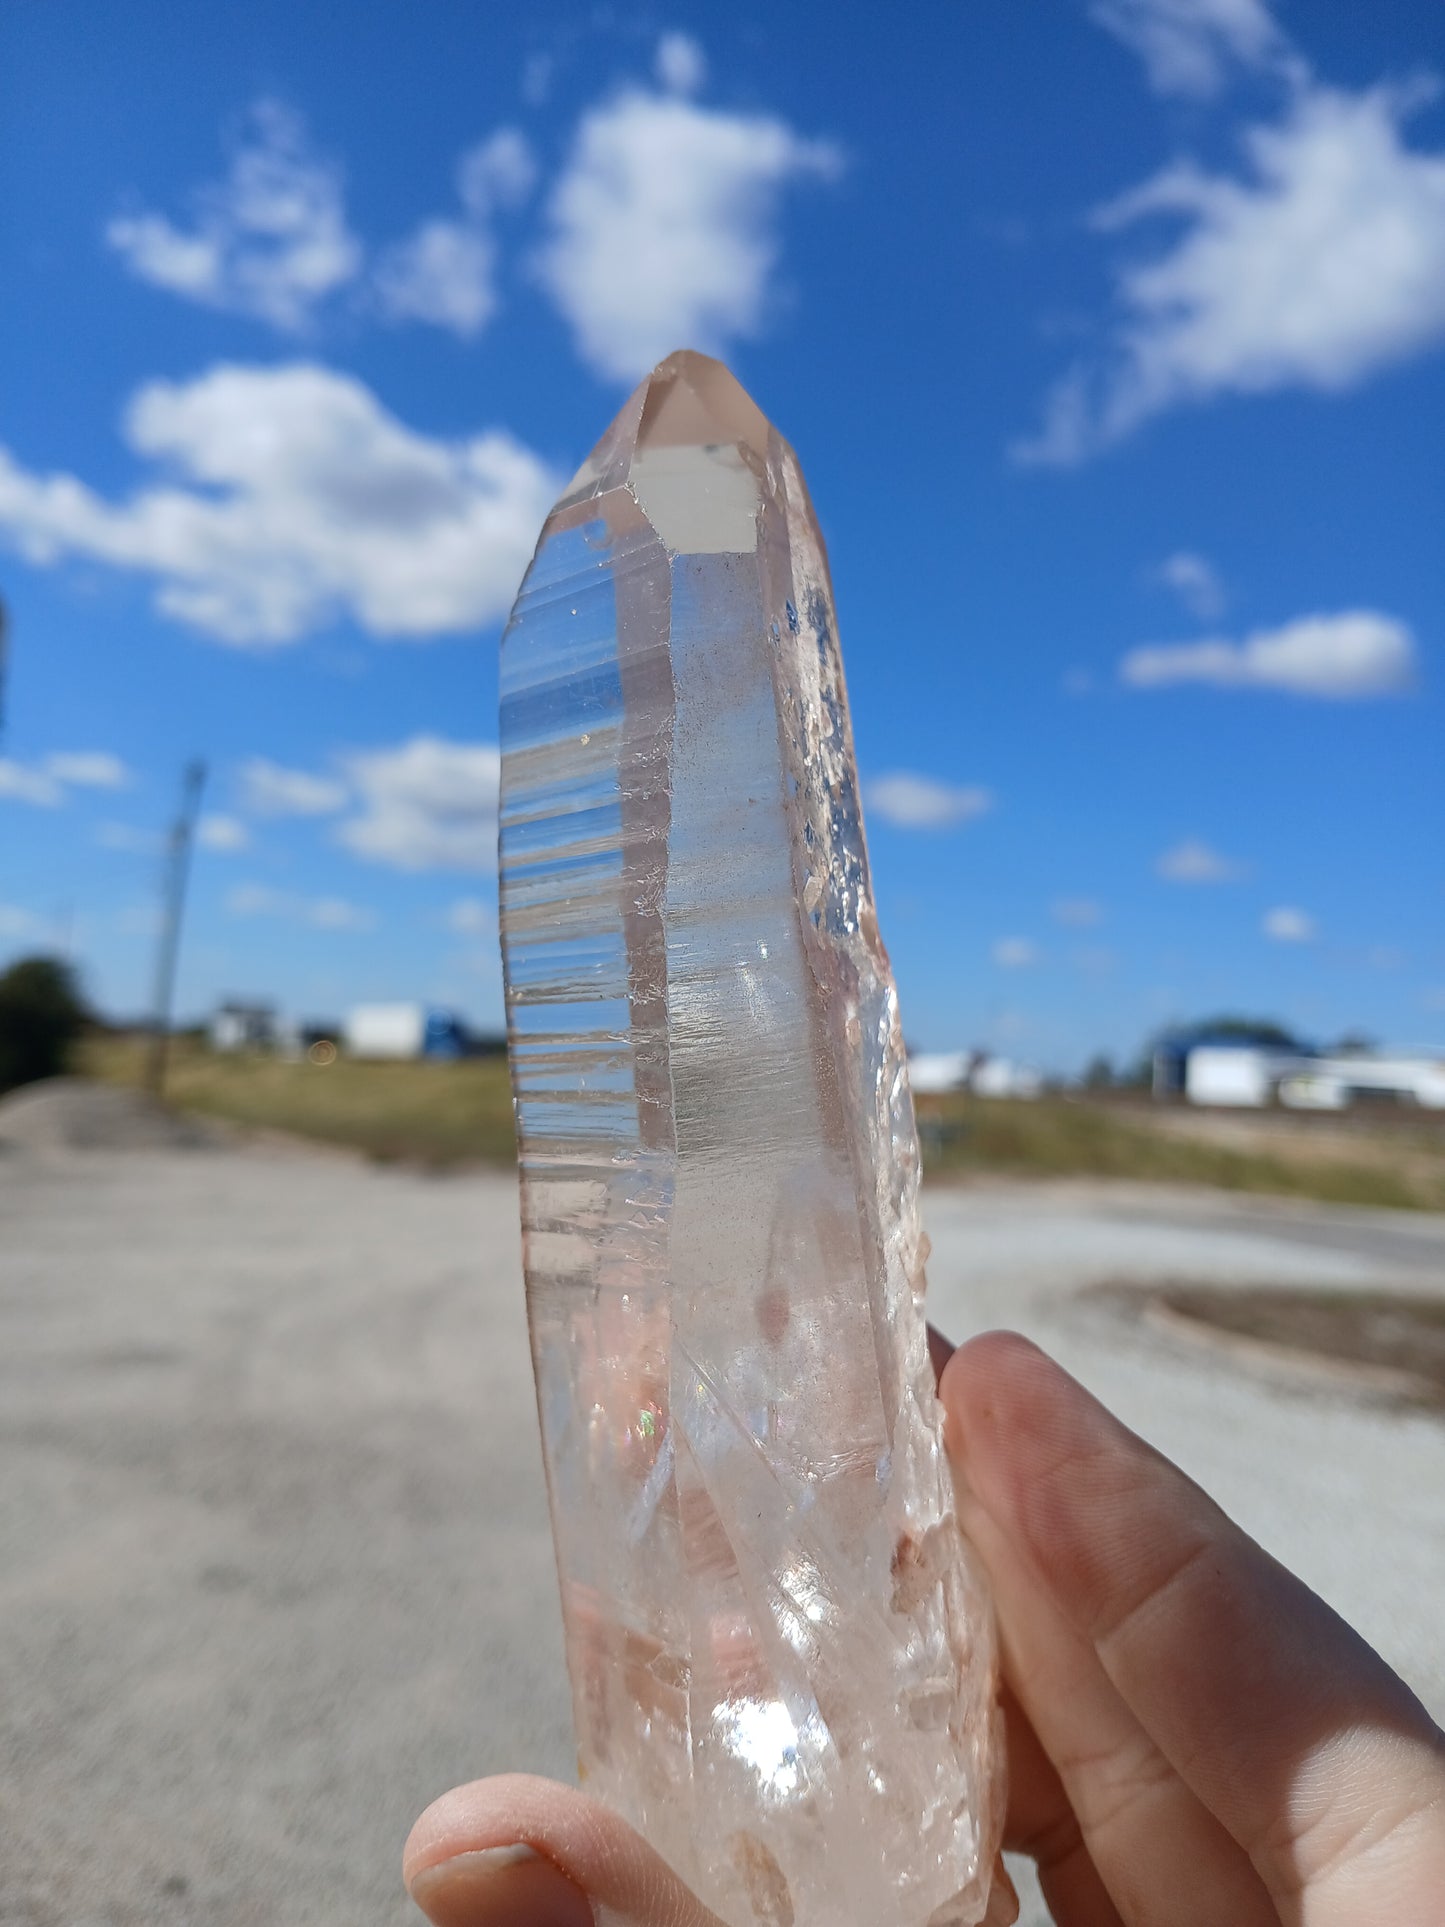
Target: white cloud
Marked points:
318	913
1187	46
301	500
442	274
1323	263
426	805
270	790
44	784
1357	653
445	272
912	802
499	172
222	834
270	241
1195	581
1015	953
88	769
680	63
471	917
1195	862
19	783
1288	925
1077	913
663	227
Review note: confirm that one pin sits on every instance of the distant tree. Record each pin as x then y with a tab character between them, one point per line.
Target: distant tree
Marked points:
1354	1043
1248	1030
42	1013
1098	1074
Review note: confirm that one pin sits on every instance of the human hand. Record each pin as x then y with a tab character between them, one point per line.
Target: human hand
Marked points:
1195	1739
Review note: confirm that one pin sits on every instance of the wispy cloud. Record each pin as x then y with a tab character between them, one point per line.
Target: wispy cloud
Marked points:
663	227
445	271
471	917
427	805
1285	924
1357	653
128	839
1319	264
43	784
269	789
270	240
1193	861
317	913
300	500
1195	580
1190	46
19	925
913	802
93	769
21	783
222	834
1015	953
1077	913
680	63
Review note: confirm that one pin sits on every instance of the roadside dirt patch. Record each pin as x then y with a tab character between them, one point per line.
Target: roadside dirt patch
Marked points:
1388	1345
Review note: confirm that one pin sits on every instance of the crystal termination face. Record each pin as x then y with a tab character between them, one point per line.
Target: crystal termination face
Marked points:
781	1653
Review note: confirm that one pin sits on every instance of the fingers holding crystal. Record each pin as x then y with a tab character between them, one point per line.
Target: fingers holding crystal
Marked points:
1143	1828
516	1851
1042	1824
1125	1591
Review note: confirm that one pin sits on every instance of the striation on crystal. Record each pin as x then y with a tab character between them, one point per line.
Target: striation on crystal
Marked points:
780	1647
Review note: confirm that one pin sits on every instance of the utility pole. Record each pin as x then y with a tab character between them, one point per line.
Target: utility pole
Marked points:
173	903
4	667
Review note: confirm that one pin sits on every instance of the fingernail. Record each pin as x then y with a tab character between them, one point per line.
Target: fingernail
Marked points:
500	1887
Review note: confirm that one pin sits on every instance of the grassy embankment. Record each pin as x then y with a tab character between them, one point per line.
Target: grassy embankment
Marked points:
446	1114
429	1113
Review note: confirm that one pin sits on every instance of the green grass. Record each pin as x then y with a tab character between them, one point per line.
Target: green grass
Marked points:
429	1113
447	1114
1079	1137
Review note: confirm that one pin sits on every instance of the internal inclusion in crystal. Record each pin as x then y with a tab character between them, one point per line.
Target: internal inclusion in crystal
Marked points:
781	1654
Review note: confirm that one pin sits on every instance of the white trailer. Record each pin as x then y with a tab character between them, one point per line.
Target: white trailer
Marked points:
386	1030
1229	1074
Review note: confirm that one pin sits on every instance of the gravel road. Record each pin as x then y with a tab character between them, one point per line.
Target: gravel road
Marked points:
274	1560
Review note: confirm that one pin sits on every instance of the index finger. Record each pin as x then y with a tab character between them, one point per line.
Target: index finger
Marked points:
1287	1726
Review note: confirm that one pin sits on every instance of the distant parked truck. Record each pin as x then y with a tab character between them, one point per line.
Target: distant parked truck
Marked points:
403	1031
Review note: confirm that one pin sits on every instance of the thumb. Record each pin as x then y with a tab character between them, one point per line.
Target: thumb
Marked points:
522	1852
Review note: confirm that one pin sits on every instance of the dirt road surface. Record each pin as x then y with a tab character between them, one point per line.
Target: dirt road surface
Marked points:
274	1559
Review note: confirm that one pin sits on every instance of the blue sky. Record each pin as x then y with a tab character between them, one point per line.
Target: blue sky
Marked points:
1109	333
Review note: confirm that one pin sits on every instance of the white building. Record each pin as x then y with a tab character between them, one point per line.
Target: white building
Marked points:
1250	1076
931	1072
237	1026
1335	1083
402	1031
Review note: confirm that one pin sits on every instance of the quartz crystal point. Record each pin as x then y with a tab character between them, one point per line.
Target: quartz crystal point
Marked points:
781	1653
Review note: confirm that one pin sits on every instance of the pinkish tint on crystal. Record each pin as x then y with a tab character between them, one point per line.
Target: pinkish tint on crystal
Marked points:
781	1650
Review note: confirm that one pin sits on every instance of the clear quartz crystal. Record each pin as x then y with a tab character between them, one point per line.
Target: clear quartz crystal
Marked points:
781	1652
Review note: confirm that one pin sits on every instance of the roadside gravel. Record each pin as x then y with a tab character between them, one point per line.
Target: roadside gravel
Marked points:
274	1559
